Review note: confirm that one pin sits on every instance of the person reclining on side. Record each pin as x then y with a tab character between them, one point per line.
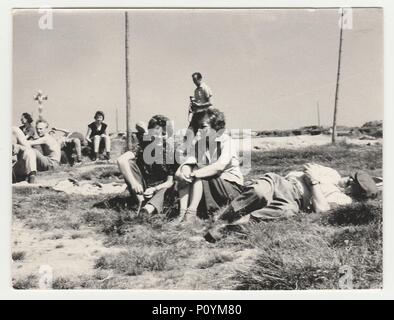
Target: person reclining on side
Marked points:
273	197
70	144
31	160
138	174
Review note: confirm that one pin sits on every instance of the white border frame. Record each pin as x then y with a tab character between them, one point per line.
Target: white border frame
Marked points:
6	291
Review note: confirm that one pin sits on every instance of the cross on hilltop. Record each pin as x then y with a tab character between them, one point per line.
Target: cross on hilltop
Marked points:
40	98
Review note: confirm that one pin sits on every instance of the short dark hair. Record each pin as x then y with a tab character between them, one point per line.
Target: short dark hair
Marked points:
99	113
28	117
197	75
216	117
363	186
161	121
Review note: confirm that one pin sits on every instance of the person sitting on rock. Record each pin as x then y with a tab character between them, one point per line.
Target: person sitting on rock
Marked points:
97	136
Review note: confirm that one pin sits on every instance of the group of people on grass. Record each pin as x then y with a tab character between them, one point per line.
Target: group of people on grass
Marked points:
40	148
204	175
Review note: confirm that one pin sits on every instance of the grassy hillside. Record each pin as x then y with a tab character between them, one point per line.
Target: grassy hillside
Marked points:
123	251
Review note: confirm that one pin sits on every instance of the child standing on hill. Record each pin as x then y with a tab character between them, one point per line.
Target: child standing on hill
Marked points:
202	98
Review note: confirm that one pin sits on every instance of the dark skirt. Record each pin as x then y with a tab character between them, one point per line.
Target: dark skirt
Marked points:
165	201
217	193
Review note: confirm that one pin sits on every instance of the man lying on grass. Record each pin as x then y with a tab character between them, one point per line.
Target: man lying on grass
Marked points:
273	197
30	160
138	173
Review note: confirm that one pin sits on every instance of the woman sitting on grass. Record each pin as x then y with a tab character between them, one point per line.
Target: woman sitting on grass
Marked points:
138	172
212	178
27	127
97	135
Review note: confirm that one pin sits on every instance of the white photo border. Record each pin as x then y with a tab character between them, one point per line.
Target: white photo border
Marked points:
7	292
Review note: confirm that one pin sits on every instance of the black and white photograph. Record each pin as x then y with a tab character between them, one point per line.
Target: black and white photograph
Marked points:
197	148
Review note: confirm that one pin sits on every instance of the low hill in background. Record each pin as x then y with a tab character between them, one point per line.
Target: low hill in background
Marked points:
371	129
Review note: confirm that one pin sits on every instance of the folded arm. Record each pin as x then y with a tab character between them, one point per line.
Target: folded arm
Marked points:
124	168
168	183
319	202
218	166
42	140
202	105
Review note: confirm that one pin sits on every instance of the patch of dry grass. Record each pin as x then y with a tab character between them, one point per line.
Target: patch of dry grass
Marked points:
64	283
346	158
137	260
309	255
214	258
29	281
18	255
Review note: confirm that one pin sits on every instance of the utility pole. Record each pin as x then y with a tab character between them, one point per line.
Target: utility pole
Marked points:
334	125
127	61
117	121
318	114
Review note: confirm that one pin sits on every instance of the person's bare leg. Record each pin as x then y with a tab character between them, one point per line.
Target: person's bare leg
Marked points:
77	147
96	146
20	137
107	141
184	197
96	143
124	168
183	193
26	165
196	193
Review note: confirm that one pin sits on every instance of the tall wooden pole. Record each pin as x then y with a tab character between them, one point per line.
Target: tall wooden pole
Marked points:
127	60
117	121
334	125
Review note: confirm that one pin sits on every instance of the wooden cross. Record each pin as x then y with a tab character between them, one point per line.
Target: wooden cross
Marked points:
40	98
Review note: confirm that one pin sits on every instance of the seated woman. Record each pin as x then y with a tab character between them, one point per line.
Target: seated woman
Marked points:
97	135
157	172
27	127
212	177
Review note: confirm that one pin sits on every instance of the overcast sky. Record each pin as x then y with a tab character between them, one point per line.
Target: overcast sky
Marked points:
267	69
